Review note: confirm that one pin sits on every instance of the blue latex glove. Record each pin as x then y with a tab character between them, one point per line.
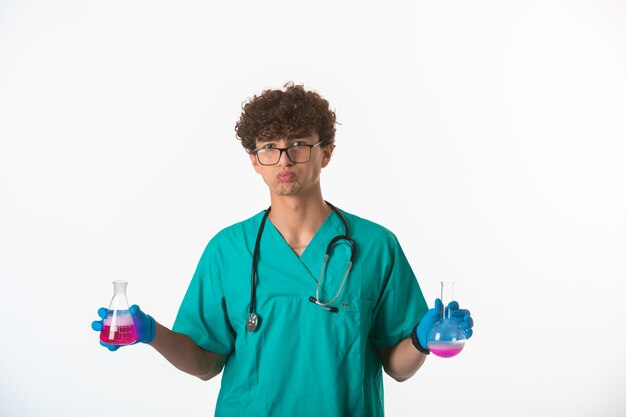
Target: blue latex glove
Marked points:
431	317
462	317
145	326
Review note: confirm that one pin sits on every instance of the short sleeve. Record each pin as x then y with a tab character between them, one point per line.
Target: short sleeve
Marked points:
202	314
401	304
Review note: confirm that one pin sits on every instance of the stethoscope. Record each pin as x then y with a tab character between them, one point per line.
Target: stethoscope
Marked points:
253	320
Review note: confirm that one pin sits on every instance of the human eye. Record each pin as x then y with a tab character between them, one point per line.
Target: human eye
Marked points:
298	143
268	146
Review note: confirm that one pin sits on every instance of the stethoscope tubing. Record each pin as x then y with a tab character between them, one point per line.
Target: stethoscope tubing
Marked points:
253	320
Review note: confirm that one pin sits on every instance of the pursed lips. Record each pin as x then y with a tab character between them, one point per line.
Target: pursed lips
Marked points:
285	176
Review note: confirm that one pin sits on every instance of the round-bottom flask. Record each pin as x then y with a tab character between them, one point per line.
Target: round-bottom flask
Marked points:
118	327
446	338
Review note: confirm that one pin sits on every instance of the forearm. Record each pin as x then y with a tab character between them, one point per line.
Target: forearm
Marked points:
185	355
402	361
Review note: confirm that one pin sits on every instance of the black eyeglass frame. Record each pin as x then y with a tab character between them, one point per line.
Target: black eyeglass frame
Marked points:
286	150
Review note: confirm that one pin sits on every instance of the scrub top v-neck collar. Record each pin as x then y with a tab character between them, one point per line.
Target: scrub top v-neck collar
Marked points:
312	258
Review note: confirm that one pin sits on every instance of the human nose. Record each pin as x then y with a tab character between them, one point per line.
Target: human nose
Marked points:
283	159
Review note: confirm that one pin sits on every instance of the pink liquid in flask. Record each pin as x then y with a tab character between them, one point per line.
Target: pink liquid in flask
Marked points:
445	350
118	328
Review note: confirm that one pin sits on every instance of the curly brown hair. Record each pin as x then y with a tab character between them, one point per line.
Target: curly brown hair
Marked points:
289	114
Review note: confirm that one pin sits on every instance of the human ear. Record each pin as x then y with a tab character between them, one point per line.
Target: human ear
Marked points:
327	154
255	163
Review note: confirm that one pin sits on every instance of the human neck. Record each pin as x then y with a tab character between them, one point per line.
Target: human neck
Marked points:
298	219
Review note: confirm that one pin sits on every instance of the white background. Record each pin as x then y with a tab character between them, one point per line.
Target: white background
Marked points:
488	135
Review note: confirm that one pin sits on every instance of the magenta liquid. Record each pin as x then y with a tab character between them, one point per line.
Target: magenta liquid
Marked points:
119	330
445	350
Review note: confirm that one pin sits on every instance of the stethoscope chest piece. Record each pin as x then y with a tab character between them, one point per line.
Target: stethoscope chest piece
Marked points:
252	322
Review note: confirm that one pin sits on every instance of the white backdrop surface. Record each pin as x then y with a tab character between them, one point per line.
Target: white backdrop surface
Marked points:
490	136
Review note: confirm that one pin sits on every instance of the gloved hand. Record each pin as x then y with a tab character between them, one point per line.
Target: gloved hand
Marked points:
462	317
431	317
145	326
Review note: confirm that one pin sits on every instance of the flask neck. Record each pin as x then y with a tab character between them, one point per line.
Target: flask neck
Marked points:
119	287
447	295
119	300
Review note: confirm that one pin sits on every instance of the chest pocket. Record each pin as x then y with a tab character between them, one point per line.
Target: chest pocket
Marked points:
352	324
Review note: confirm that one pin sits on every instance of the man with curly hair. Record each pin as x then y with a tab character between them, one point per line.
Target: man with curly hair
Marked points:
303	306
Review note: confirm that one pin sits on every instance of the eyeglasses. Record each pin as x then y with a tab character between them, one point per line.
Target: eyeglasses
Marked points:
297	154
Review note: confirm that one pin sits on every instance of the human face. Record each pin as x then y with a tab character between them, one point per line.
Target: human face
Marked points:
287	178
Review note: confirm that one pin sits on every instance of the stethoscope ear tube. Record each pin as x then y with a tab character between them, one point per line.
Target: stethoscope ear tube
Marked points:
328	308
343	237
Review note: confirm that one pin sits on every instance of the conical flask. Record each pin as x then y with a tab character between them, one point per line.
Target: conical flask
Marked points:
446	339
118	327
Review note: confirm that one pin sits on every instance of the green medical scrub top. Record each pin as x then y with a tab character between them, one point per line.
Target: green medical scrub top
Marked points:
302	360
